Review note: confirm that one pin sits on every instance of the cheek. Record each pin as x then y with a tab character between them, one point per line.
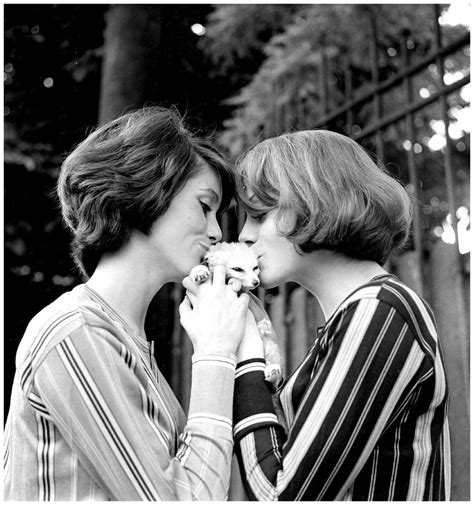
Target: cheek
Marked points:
194	221
279	259
282	249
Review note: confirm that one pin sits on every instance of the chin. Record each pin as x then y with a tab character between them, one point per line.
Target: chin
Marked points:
180	272
269	282
185	272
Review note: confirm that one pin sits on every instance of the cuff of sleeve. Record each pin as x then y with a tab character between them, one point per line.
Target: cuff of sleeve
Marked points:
215	359
253	405
212	389
250	365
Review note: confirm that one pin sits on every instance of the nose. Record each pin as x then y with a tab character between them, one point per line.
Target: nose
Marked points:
255	283
248	234
214	232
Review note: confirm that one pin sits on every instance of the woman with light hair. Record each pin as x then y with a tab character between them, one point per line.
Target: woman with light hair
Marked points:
364	415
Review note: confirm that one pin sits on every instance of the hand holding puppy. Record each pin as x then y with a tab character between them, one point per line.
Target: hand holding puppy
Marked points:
241	271
215	319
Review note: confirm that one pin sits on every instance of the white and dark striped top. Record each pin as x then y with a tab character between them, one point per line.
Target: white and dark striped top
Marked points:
92	418
364	416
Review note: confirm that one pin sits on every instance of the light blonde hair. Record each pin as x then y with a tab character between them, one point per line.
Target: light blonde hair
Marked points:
328	192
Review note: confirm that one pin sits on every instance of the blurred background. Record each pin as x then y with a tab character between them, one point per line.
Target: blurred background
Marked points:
396	78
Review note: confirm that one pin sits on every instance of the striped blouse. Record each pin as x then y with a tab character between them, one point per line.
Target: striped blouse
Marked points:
92	418
364	416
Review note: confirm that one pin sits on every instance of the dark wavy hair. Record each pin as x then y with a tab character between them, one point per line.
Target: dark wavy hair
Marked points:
328	193
124	175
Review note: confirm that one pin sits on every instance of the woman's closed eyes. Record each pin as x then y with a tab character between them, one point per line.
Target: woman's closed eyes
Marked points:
205	207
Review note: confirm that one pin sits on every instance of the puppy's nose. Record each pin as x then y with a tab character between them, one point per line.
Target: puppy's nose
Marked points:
255	283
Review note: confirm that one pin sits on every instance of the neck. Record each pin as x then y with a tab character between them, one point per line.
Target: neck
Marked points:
331	277
128	285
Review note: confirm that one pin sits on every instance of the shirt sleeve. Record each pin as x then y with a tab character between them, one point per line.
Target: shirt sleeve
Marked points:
95	393
372	360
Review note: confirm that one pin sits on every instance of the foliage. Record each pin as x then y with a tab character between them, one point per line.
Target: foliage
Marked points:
320	39
51	93
44	116
236	34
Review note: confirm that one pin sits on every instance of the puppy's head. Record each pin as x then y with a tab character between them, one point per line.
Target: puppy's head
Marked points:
239	261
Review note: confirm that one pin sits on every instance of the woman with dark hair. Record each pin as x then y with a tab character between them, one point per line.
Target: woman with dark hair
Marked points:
91	416
364	416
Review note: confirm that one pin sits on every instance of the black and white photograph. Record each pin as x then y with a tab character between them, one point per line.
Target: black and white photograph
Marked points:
236	261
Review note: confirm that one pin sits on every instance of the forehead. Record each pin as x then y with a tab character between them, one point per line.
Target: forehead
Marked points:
206	178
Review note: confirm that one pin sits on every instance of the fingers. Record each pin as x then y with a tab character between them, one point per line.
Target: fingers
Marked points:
244	300
191	297
235	284
184	307
218	277
190	285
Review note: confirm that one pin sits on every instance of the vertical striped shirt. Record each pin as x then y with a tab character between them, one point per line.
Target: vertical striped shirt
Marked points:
364	416
92	418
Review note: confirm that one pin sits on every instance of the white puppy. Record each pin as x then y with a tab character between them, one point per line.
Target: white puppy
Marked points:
241	265
242	270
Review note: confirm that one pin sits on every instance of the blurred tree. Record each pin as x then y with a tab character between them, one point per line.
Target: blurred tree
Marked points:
51	76
151	56
132	46
237	34
289	74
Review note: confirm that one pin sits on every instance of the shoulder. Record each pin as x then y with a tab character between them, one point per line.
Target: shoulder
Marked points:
389	293
71	313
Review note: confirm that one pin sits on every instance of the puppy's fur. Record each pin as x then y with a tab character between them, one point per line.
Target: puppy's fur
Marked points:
242	271
241	265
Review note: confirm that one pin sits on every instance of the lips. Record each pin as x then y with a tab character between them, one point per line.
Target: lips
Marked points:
205	248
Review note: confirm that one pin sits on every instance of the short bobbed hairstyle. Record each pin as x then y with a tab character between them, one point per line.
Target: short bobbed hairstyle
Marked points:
124	175
328	193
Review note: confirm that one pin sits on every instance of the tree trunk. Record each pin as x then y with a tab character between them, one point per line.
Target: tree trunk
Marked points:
131	59
130	79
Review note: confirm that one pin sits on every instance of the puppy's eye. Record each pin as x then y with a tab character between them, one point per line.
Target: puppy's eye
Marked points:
237	269
256	269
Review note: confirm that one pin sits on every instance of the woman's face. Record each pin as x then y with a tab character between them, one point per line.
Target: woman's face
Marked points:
279	262
181	236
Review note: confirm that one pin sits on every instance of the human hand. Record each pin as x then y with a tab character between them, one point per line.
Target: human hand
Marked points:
213	314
